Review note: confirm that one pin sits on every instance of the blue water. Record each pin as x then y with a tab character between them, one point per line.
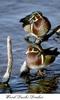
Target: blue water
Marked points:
11	11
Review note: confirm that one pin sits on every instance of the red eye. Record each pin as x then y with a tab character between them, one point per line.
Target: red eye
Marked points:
30	49
39	17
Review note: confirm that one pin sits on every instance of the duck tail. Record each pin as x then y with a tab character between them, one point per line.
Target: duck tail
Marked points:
22	20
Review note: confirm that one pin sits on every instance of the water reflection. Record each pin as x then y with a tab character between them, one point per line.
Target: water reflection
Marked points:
31	84
43	85
5	88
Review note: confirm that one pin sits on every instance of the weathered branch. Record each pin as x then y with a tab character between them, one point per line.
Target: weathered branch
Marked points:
7	74
46	37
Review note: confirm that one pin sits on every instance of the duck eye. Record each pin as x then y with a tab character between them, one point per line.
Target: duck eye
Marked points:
30	49
35	18
35	49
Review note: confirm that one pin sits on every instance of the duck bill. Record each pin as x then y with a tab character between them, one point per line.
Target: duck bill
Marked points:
27	52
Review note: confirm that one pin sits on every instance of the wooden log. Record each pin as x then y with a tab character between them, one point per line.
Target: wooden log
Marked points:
55	30
7	74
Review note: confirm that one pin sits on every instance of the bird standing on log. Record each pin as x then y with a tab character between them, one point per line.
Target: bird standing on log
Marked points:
38	59
36	24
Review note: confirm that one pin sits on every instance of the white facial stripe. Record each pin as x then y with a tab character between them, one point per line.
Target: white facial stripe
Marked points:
39	15
36	19
31	27
31	18
32	51
42	59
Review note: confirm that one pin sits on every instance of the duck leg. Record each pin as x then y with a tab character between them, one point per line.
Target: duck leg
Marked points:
41	73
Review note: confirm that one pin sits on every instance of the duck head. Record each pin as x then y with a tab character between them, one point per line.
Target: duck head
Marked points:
36	25
37	19
34	57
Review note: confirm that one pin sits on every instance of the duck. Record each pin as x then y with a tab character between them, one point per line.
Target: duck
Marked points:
45	85
36	24
38	59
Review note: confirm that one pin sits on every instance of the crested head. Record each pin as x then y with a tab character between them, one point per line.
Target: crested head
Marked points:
35	16
27	20
34	57
37	12
37	24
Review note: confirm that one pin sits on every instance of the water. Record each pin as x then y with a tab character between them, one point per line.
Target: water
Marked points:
10	14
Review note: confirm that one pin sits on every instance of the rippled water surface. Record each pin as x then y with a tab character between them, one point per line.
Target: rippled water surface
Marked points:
10	14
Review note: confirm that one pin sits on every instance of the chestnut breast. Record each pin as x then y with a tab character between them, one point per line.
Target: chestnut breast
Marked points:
36	26
33	59
41	27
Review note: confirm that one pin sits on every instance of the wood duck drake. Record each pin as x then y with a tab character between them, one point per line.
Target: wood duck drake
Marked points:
39	59
36	24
